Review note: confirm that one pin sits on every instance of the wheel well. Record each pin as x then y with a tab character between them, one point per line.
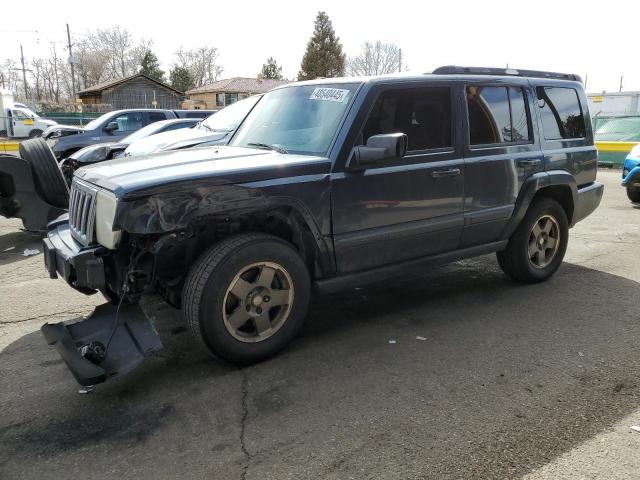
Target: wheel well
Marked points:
561	194
179	251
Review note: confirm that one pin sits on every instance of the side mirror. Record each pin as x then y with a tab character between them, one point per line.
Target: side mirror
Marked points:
111	127
379	147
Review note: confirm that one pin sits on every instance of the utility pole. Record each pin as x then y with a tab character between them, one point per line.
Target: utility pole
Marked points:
73	75
24	73
400	60
621	77
586	79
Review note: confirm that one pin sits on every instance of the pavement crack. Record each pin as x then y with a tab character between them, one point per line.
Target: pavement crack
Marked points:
243	423
46	315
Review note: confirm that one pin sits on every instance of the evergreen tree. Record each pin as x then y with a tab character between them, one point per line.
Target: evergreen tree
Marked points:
150	66
271	70
324	57
181	78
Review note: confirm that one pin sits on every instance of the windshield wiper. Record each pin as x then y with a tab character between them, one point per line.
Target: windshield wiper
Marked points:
268	147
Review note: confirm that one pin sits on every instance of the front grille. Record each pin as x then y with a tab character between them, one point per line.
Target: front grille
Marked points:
82	214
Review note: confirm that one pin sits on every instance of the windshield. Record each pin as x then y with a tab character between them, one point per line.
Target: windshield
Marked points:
93	124
143	132
298	119
228	119
619	129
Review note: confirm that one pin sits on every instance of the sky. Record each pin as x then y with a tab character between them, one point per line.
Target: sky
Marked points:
596	40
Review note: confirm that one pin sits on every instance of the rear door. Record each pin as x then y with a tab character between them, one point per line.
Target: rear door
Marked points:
501	151
566	134
402	208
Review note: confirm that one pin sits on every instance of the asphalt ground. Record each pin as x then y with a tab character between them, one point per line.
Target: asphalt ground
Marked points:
504	381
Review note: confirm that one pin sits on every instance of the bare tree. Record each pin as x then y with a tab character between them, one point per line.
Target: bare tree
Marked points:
201	64
375	58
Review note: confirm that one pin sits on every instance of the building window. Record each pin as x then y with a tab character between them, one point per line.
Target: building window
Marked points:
230	98
219	99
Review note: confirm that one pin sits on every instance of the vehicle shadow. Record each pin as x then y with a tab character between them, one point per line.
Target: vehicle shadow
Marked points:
13	245
455	372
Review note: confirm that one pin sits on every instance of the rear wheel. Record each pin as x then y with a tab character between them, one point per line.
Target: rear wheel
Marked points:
536	249
47	175
634	194
246	297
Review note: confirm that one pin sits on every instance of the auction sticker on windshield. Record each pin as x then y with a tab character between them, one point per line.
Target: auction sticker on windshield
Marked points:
329	94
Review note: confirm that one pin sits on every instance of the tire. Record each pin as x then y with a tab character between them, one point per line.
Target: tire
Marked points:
634	194
35	133
226	285
530	256
47	175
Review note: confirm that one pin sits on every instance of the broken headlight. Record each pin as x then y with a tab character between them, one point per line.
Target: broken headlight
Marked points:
106	204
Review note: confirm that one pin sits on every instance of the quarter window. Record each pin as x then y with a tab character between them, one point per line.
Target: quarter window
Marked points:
423	114
561	113
497	115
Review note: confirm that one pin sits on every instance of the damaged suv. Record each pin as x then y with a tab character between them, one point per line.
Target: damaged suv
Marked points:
326	185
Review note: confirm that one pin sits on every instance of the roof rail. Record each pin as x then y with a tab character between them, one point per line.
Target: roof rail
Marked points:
456	70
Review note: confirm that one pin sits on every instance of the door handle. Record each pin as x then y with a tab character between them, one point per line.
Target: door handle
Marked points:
531	162
450	172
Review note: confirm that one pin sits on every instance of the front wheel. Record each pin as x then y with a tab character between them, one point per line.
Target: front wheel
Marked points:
537	247
246	297
634	194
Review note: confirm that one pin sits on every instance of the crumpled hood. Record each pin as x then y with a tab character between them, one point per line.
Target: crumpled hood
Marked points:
211	165
175	139
63	129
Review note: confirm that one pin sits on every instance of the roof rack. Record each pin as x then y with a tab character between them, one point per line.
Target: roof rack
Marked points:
456	70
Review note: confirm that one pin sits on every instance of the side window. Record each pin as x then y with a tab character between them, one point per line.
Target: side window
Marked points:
129	122
561	113
497	115
176	126
423	114
156	116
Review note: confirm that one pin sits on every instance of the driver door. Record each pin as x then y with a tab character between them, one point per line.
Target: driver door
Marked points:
402	208
22	124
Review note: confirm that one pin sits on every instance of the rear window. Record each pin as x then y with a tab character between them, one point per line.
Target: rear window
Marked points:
561	113
497	115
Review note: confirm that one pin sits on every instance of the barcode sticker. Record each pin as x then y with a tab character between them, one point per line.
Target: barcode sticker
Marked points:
329	94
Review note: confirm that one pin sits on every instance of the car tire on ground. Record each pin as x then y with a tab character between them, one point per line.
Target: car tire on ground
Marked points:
634	194
537	247
35	133
47	175
246	297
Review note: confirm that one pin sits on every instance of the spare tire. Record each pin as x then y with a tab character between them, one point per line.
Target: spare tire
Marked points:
47	175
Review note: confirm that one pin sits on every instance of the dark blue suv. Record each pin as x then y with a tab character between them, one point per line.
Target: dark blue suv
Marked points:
327	184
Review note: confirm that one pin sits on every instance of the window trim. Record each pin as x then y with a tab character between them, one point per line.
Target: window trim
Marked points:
561	139
409	86
484	146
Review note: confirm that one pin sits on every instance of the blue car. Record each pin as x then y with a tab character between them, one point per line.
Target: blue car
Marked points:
631	174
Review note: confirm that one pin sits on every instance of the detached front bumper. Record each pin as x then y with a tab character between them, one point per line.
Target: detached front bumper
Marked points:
114	339
587	201
81	267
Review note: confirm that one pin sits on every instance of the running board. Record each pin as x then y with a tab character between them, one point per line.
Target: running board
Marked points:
343	282
82	344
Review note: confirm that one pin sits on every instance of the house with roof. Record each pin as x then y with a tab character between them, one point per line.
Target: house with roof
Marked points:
135	91
221	93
